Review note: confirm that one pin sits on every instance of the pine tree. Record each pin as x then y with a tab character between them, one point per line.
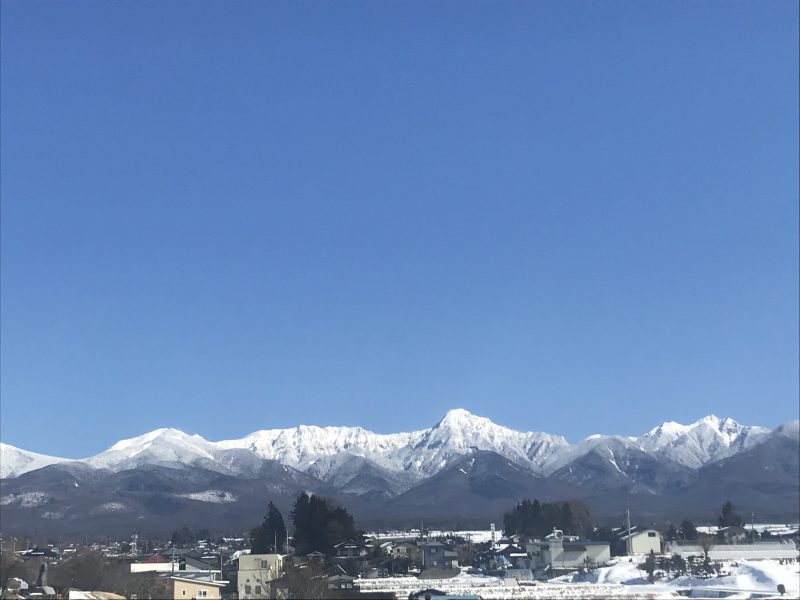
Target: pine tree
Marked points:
728	517
318	525
270	536
566	518
650	566
688	530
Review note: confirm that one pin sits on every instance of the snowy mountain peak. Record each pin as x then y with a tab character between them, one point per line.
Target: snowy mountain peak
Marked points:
149	438
706	440
161	446
457	418
668	429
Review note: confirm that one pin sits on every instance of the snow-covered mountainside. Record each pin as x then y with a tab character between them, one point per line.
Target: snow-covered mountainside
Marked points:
300	447
15	461
324	451
461	432
161	446
707	440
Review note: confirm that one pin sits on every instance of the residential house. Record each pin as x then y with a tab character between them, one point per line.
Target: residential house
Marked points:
733	535
434	594
516	556
255	573
350	549
404	550
436	555
340	582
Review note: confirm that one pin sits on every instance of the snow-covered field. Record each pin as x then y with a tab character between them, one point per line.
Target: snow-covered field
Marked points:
773	528
620	579
743	575
111	507
213	496
476	536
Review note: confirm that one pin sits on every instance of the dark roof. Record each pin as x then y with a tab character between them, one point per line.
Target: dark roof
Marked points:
575	547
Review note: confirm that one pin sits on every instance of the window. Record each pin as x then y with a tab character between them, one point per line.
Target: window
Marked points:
651	534
248	589
264	564
202	593
258	590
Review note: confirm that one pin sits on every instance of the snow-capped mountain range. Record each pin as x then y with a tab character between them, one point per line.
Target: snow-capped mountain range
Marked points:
326	452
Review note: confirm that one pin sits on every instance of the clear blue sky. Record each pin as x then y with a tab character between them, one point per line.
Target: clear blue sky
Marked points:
568	217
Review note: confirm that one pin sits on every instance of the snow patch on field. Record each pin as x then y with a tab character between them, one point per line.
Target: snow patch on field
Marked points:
111	507
213	496
620	579
26	500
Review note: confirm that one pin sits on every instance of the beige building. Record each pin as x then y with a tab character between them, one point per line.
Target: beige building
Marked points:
642	542
256	571
190	588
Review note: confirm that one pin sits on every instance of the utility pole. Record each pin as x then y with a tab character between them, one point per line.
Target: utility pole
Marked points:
629	545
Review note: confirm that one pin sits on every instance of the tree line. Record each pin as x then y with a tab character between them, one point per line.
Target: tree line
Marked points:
319	525
537	519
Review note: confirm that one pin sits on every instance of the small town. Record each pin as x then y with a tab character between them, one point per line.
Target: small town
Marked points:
326	557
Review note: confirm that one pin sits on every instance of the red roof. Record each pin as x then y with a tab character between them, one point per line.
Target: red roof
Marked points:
155	558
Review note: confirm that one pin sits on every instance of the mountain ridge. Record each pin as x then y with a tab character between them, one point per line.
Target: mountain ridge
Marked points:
418	454
477	470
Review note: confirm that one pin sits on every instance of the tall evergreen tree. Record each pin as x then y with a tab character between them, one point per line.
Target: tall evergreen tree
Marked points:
270	536
566	518
318	525
729	517
688	530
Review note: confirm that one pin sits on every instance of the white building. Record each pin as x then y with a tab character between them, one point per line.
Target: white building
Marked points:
642	542
255	573
563	553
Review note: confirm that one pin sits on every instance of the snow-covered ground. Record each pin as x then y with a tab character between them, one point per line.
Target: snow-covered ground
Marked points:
620	579
742	576
495	588
213	496
476	536
773	528
26	499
